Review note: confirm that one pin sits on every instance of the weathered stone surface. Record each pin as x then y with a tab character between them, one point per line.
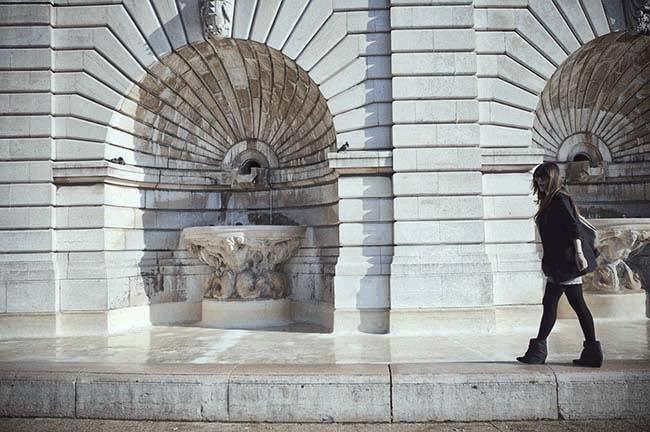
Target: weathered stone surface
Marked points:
619	389
354	393
472	392
151	397
244	259
25	394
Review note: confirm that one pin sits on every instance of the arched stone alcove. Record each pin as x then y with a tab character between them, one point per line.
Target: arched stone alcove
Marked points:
594	118
209	114
205	100
599	98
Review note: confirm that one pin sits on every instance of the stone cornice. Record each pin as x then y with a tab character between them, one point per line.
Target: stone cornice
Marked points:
357	162
101	171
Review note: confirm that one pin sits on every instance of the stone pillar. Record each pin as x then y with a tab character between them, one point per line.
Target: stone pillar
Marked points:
441	276
27	262
362	281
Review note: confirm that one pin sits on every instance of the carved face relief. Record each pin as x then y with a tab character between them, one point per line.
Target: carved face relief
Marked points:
638	15
217	16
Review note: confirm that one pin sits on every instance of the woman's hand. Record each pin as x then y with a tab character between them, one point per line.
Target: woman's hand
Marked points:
582	262
580	257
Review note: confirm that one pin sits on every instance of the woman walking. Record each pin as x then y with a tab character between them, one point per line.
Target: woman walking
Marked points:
563	264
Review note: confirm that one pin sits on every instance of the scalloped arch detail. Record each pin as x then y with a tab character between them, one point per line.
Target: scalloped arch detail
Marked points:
602	94
206	97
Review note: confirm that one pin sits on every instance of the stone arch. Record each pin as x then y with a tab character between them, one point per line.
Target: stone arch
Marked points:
209	102
597	102
103	51
204	117
110	73
519	49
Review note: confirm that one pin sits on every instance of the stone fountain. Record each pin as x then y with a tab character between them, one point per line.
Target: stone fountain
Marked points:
619	239
246	290
614	289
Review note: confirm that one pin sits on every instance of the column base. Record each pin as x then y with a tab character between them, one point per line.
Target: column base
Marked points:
454	321
350	321
513	318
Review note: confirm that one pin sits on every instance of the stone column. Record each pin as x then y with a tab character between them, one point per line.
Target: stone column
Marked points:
441	277
27	264
362	281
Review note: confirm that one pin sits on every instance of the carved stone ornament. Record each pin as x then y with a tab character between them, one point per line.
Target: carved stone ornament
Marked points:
244	258
618	240
217	16
638	15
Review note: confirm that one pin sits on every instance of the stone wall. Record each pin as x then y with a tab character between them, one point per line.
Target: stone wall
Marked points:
95	70
27	196
440	265
423	223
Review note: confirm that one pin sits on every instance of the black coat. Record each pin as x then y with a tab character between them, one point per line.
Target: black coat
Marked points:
558	229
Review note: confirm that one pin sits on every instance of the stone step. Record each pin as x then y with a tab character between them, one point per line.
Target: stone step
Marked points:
379	393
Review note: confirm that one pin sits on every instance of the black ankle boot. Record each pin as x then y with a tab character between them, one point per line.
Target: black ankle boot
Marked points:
536	353
592	355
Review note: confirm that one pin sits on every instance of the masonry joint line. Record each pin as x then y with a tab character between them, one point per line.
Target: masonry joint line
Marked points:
390	389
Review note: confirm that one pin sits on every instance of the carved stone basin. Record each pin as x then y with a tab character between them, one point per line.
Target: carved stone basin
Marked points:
618	240
614	290
244	258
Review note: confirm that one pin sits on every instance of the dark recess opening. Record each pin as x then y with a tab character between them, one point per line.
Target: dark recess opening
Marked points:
248	165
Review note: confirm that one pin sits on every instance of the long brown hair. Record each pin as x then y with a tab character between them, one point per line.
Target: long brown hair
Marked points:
551	172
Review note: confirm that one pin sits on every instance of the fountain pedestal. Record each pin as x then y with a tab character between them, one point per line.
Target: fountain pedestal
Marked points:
246	289
614	290
245	314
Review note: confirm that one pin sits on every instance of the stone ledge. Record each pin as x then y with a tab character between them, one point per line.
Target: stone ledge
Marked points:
352	162
509	160
472	392
101	171
325	393
306	393
619	389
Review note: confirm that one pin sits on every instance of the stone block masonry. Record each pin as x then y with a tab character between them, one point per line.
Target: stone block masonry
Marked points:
27	197
369	393
436	140
424	223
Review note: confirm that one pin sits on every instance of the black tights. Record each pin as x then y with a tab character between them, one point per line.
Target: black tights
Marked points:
552	295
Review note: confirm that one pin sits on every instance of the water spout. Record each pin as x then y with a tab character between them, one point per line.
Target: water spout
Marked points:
268	181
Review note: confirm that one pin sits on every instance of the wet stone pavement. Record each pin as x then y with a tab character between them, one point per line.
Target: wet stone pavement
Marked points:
81	425
621	340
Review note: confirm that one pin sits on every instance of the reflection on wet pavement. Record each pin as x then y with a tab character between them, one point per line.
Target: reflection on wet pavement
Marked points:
305	344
